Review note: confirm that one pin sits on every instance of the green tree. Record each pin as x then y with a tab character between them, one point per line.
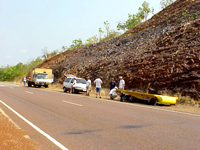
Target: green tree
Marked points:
11	73
34	63
165	3
2	73
131	22
100	33
63	49
76	43
135	19
112	34
144	11
107	27
121	26
92	40
53	53
45	53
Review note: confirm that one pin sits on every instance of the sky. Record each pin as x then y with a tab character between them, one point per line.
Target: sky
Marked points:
27	27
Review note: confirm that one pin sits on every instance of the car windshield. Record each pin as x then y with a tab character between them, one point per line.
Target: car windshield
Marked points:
82	81
43	76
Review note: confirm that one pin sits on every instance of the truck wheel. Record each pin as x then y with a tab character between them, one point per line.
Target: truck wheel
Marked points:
29	84
34	85
46	86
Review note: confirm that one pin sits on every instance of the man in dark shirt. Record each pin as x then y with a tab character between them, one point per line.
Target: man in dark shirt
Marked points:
112	84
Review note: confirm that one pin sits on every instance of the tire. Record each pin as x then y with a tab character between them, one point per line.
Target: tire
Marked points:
77	92
29	84
34	85
46	86
153	101
64	89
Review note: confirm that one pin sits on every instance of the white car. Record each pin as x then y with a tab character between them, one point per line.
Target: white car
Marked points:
79	87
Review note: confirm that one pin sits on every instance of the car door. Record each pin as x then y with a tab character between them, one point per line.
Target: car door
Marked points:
67	83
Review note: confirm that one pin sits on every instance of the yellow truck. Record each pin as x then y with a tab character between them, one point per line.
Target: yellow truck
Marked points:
38	77
151	98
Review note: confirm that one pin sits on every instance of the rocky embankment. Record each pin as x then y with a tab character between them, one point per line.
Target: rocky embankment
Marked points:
162	53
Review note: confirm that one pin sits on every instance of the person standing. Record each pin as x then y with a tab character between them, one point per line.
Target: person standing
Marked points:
24	80
73	85
98	83
112	84
121	83
121	87
88	86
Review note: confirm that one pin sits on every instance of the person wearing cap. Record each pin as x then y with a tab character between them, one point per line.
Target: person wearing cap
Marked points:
98	83
121	83
73	85
113	93
121	86
88	86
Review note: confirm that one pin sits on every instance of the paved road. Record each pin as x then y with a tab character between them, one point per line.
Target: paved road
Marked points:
77	122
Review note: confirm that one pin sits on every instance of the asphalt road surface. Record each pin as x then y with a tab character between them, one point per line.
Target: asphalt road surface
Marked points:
67	121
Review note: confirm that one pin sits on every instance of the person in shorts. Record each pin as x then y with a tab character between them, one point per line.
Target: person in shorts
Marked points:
73	85
98	83
88	86
121	87
24	80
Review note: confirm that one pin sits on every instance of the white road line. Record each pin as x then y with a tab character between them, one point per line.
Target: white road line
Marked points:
11	87
29	92
36	128
72	103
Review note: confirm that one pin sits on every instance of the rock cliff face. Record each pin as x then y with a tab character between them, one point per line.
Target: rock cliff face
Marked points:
162	53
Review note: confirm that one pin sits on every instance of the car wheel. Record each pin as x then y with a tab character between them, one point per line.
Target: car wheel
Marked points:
64	89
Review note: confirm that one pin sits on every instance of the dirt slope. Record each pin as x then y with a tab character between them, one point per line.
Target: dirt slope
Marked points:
162	53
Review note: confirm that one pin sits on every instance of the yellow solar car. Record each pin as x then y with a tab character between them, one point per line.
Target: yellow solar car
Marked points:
151	98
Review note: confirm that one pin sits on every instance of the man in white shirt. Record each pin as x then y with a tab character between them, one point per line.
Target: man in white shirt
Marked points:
121	86
73	85
113	93
121	83
88	86
24	81
98	83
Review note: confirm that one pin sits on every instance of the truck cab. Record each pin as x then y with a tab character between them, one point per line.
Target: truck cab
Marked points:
40	77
